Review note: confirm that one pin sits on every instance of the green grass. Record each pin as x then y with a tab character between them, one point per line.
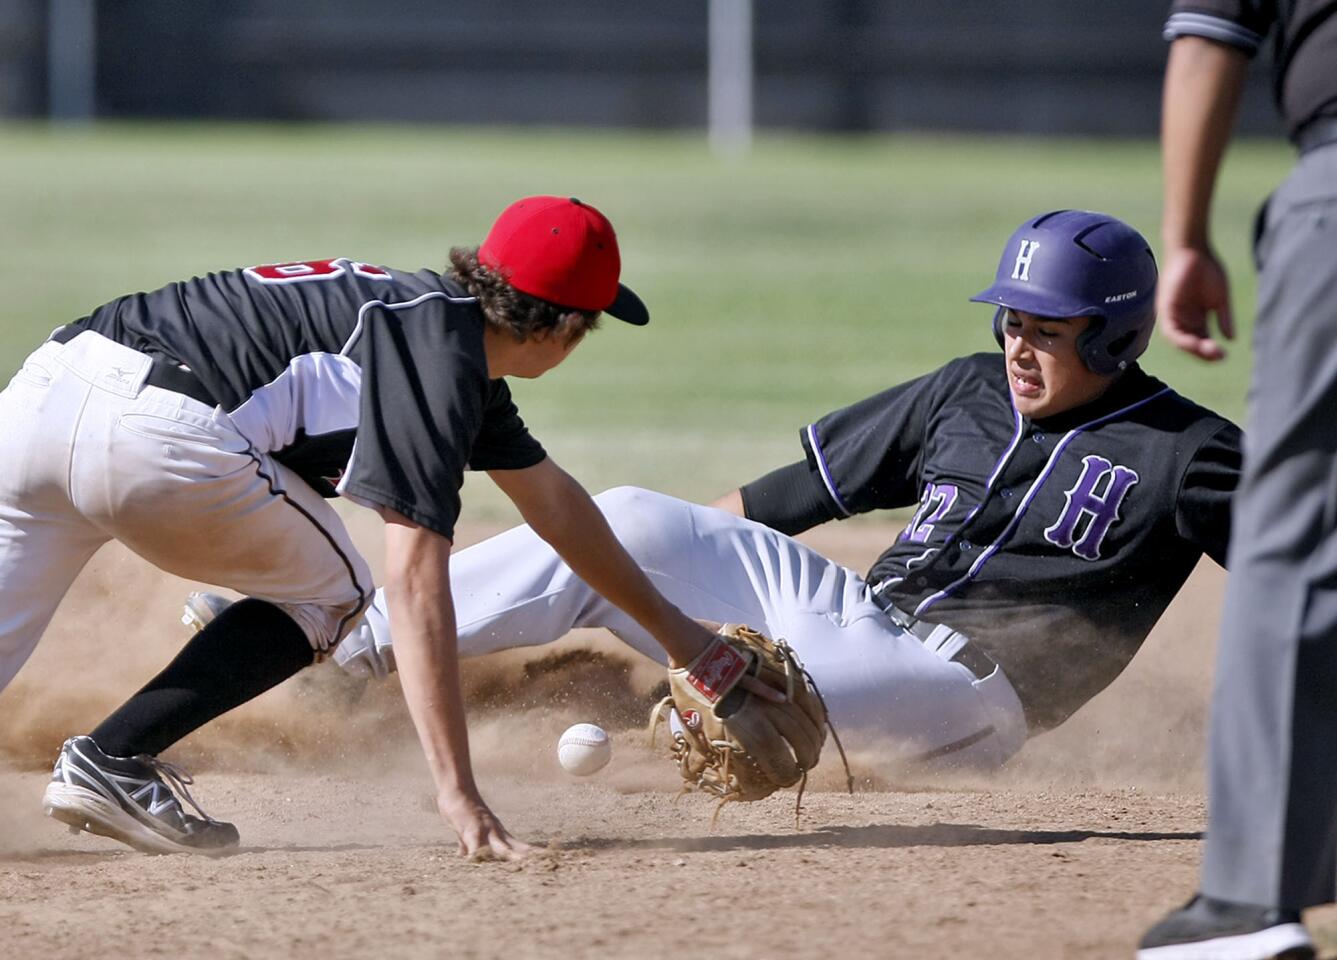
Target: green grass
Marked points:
814	272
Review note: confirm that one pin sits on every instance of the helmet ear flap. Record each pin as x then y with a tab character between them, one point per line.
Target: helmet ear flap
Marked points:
1089	347
1101	357
1095	356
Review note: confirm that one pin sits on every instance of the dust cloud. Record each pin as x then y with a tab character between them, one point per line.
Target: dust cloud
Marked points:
120	625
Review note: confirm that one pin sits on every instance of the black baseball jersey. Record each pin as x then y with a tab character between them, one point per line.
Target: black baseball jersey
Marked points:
351	374
1304	63
1056	544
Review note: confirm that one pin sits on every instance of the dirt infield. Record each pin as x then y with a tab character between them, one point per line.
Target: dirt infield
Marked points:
1085	839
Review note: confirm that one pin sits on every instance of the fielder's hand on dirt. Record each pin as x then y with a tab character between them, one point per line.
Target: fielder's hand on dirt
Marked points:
730	741
481	834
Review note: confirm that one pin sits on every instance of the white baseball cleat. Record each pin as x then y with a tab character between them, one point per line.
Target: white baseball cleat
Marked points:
133	800
202	608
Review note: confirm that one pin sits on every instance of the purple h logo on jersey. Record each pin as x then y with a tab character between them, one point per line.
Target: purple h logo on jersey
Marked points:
1103	509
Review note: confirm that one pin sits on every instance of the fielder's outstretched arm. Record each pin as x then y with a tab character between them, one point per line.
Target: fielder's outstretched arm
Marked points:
417	588
560	511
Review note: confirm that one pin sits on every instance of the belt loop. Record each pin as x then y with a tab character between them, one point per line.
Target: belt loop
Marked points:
899	617
937	637
65	333
179	380
894	613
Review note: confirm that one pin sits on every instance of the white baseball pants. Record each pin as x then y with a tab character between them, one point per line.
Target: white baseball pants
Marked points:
89	453
881	683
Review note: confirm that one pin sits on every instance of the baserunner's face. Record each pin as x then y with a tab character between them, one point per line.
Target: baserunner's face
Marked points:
1044	371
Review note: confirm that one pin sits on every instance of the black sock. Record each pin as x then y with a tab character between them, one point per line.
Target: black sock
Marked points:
250	647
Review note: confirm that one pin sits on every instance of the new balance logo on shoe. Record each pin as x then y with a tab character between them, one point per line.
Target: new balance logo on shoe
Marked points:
131	799
160	798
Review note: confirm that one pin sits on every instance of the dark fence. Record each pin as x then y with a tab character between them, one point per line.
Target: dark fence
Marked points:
1029	66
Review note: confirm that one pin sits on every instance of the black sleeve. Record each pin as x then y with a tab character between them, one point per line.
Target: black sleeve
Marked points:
789	499
503	441
418	419
868	455
1203	511
1242	24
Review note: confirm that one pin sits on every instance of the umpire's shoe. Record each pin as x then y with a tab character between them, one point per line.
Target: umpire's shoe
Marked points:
1209	929
128	799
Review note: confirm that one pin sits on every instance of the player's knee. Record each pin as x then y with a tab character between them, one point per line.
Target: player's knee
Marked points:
646	523
326	623
616	499
626	508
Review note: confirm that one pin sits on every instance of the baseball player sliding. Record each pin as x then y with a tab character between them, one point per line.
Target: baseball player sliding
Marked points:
228	405
1064	495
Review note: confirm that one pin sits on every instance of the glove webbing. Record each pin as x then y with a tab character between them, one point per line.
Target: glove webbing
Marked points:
721	753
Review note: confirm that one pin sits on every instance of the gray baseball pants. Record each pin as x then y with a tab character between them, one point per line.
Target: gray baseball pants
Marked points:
1272	819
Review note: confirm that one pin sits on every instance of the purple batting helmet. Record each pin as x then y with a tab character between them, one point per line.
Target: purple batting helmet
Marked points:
1075	263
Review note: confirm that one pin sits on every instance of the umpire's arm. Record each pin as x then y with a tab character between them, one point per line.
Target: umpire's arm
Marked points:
1204	81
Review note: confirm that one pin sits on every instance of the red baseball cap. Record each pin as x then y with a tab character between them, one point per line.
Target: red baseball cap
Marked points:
562	251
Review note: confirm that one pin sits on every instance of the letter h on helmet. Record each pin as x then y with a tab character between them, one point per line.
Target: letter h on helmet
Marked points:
1077	263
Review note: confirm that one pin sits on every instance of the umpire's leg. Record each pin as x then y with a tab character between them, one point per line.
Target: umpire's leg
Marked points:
1273	756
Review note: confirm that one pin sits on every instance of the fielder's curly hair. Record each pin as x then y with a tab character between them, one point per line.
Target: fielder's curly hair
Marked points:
506	308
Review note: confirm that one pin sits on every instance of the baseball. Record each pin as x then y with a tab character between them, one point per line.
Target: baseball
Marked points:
584	749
